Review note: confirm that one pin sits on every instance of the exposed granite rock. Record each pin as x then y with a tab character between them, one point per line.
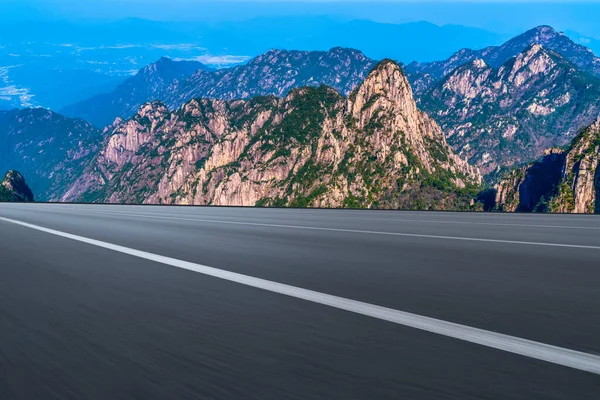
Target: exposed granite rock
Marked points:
507	116
579	191
531	187
564	181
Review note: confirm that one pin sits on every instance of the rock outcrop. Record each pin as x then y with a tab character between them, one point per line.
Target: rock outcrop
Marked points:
507	116
13	188
579	191
564	181
313	148
531	187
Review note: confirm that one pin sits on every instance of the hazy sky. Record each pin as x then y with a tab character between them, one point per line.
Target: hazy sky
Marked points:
508	16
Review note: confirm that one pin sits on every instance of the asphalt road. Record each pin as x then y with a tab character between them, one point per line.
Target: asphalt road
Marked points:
114	302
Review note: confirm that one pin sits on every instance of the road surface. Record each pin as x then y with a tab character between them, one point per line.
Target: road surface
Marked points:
122	302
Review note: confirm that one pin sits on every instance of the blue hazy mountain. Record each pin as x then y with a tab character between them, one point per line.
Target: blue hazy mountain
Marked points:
408	42
148	84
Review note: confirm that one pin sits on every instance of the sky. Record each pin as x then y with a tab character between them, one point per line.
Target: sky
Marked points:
509	16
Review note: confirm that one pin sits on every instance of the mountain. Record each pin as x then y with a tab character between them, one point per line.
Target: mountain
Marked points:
565	181
508	116
147	85
274	73
378	40
48	148
14	189
312	148
423	75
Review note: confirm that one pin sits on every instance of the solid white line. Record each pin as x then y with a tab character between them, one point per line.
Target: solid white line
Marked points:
540	351
315	228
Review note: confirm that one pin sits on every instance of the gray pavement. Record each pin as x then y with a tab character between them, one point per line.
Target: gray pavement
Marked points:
82	321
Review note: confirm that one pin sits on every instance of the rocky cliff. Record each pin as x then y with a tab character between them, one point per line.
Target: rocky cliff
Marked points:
14	189
565	181
48	148
530	188
579	191
312	148
506	116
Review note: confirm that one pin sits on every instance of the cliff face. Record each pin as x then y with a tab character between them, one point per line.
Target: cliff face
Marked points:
508	116
312	148
48	148
14	189
579	191
530	188
564	181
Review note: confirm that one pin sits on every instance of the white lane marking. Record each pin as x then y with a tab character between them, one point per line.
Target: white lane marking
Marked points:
540	351
315	228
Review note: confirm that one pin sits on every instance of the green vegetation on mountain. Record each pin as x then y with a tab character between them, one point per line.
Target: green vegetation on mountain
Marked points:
313	148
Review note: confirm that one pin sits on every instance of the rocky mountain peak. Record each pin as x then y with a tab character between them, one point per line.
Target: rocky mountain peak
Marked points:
531	61
386	86
14	188
541	34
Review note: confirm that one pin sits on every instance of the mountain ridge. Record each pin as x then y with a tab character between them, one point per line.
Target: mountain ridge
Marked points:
426	74
498	117
275	72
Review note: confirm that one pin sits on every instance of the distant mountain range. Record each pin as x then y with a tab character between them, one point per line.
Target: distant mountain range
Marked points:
328	128
489	114
151	82
53	64
276	73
